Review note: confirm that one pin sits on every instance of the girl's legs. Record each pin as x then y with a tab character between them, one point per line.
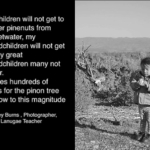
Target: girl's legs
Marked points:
143	118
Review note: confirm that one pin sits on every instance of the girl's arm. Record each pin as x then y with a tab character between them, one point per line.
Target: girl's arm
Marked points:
147	84
134	85
134	81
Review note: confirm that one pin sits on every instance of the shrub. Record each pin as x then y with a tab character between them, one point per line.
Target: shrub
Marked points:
117	68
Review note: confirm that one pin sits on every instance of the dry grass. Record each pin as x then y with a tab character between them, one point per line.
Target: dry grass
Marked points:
98	130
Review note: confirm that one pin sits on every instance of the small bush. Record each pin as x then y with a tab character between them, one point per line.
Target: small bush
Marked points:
116	91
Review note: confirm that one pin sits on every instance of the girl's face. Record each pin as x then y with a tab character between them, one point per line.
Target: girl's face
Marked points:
145	70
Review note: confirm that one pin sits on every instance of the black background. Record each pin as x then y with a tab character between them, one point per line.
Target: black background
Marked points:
57	132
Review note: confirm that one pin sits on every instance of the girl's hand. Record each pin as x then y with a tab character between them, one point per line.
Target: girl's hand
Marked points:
141	82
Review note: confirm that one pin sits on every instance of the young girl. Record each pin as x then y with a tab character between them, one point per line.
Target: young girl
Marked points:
140	83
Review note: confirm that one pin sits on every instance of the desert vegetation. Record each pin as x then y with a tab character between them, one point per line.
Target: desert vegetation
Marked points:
105	115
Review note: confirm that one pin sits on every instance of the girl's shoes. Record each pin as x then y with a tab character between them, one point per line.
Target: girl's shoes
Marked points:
144	137
139	135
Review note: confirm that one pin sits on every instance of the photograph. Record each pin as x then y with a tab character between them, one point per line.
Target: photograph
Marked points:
112	75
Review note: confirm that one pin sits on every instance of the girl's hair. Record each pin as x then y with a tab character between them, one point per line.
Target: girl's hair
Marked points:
145	61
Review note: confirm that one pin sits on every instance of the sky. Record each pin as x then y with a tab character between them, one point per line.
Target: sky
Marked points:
112	19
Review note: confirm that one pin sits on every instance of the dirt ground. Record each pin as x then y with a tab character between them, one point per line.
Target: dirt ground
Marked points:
108	128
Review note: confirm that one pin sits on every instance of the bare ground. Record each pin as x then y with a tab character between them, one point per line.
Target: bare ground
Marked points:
97	129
